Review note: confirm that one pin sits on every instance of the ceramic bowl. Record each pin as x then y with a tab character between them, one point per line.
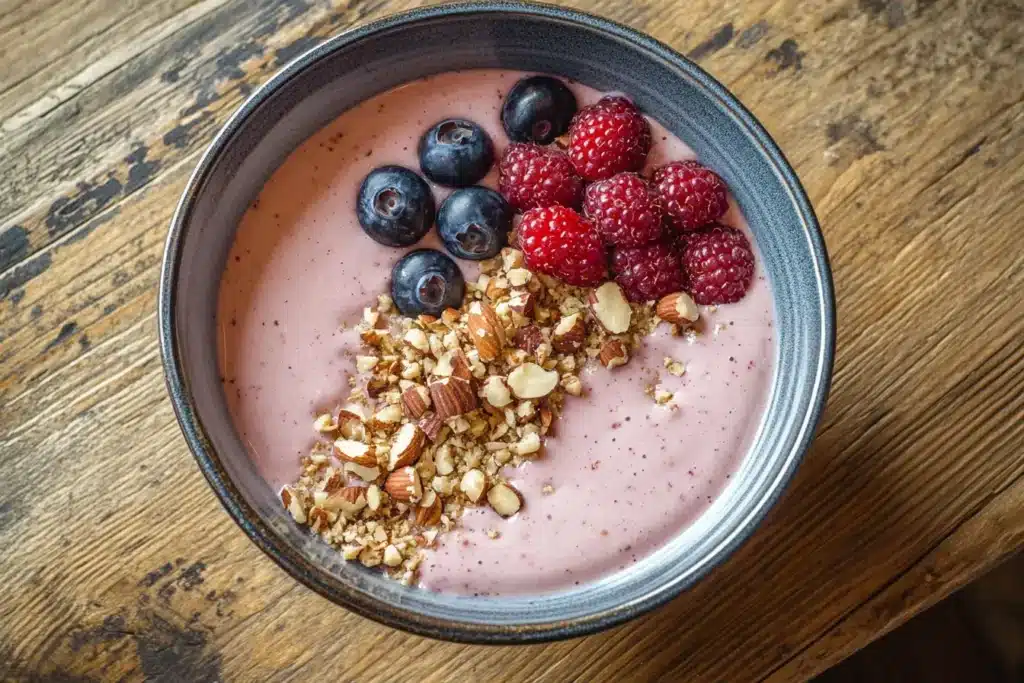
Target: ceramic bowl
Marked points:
313	90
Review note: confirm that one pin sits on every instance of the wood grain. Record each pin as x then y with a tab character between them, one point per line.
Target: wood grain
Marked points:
905	120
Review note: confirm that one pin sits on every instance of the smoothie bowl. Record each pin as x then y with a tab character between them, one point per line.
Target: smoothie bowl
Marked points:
496	322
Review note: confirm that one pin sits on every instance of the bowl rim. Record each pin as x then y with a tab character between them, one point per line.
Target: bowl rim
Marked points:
397	616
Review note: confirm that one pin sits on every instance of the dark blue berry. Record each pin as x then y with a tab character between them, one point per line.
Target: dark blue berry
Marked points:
395	207
538	109
425	282
456	153
474	223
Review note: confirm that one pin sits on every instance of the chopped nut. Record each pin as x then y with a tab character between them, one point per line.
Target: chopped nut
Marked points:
404	484
528	444
391	414
486	331
416	401
529	338
362	472
613	353
356	452
504	500
325	423
373	497
529	380
569	334
452	396
366	363
431	424
407	446
674	367
519	276
473	484
678	309
611	308
428	512
662	396
443	460
293	504
572	385
522	302
392	556
496	392
417	339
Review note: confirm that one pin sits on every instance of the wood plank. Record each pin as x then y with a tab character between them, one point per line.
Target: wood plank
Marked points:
904	119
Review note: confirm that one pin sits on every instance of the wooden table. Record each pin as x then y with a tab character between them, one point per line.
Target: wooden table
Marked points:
905	120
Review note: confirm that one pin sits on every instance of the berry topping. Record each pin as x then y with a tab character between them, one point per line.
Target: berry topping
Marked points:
719	264
625	209
693	195
559	242
456	153
648	272
474	223
538	109
532	176
609	137
425	282
395	206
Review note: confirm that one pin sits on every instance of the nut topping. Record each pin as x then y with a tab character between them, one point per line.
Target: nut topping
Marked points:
611	308
530	380
678	309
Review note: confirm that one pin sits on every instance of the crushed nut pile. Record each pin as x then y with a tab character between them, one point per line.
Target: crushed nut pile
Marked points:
440	406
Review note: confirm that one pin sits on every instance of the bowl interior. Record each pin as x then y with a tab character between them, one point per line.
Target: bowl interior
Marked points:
339	74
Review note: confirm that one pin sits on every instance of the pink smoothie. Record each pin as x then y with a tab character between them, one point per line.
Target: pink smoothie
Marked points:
627	475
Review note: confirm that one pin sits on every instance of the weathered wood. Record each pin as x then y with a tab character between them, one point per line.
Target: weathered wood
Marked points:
906	122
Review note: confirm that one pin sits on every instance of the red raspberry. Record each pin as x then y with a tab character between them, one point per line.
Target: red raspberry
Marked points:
648	272
532	176
626	210
559	242
609	137
693	195
719	263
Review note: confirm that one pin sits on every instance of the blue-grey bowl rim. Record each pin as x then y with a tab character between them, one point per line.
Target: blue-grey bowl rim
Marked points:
297	566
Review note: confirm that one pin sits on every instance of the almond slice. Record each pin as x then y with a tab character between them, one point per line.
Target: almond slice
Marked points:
678	308
486	331
461	368
530	380
362	472
569	334
473	484
452	396
504	500
407	446
404	484
613	353
356	452
415	401
611	308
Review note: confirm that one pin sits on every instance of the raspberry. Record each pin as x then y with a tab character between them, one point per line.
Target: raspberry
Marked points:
648	272
559	242
533	176
625	209
692	194
609	137
719	263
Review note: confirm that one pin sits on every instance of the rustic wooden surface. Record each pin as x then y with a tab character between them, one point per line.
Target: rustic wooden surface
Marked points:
905	120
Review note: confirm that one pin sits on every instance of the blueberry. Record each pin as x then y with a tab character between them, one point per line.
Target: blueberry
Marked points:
538	109
425	282
395	207
456	153
474	223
